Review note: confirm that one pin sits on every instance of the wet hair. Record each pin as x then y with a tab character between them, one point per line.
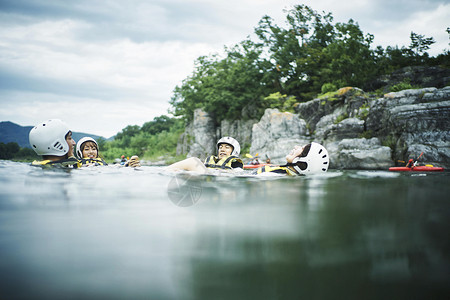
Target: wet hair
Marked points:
305	151
301	164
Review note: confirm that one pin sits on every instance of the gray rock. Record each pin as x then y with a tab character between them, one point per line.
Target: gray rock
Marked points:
277	133
347	128
241	130
199	139
401	124
359	154
414	121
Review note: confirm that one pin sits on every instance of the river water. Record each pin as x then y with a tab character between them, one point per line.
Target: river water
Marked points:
122	233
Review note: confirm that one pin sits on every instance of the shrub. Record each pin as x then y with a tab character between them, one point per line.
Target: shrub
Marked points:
328	87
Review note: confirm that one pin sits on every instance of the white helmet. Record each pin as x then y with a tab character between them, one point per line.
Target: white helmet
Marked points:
230	141
49	138
81	142
315	161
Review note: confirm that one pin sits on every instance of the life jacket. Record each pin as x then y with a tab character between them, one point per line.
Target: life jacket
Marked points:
276	169
71	162
93	161
228	162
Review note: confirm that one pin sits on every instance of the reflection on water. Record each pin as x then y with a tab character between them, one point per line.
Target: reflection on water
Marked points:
118	233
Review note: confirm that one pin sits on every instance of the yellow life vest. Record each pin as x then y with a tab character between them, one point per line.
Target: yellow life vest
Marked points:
93	161
224	163
70	162
276	169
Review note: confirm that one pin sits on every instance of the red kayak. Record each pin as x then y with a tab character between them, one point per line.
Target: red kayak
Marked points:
254	166
417	169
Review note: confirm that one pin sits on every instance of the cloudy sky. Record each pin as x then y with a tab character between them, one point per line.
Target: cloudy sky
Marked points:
102	65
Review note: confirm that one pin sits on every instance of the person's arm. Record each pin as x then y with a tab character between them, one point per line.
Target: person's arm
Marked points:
237	164
188	164
133	162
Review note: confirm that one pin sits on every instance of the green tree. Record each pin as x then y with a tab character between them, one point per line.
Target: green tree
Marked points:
350	60
295	51
224	86
124	137
312	51
296	59
159	124
9	150
420	44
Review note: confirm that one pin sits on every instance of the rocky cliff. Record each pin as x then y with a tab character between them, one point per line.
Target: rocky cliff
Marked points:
360	130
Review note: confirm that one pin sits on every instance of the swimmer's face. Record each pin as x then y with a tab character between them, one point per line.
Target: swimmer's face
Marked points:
294	153
225	150
71	142
89	150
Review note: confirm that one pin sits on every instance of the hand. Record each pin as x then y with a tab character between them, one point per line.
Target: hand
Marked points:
133	162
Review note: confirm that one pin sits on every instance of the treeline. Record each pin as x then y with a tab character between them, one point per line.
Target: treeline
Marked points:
154	139
295	63
13	151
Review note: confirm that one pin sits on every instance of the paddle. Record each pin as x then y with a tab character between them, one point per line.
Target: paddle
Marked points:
250	156
415	163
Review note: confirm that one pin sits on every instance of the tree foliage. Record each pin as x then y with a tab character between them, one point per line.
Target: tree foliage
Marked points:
13	151
223	86
158	137
296	59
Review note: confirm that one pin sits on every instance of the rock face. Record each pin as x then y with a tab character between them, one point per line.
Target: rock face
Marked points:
360	131
276	134
201	136
239	129
359	153
199	139
414	121
416	75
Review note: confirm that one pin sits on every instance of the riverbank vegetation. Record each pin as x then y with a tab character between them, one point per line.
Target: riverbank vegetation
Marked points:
12	151
307	56
155	140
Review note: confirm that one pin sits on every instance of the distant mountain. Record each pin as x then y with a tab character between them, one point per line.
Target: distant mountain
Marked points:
11	132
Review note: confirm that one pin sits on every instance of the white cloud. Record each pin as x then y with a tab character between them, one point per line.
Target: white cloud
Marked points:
81	114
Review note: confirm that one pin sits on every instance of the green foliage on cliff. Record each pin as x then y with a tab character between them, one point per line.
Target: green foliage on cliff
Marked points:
309	55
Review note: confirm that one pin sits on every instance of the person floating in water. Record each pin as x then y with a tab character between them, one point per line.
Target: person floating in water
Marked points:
255	161
228	150
52	139
87	152
310	159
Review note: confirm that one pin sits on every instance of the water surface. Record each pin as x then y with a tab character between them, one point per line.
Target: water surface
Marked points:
121	233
